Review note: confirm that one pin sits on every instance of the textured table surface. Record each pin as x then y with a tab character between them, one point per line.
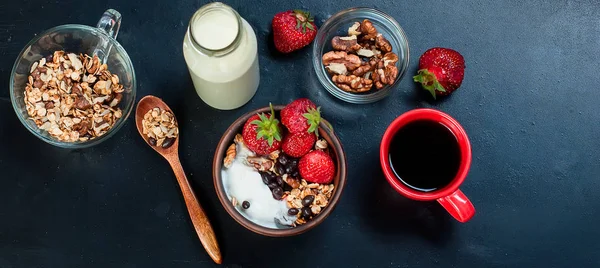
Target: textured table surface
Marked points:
529	103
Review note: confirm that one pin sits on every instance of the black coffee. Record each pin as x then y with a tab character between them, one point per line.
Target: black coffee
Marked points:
425	155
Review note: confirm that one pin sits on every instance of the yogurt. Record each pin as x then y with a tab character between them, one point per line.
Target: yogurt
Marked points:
245	184
221	52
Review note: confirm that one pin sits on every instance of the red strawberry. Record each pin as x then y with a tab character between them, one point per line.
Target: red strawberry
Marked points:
293	30
301	115
261	133
298	144
441	71
316	167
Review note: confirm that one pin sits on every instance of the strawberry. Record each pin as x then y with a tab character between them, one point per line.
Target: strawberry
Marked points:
261	133
441	71
317	167
298	144
301	115
293	30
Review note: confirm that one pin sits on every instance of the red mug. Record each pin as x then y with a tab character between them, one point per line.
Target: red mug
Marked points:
450	197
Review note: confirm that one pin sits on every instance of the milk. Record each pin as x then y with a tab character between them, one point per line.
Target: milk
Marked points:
221	53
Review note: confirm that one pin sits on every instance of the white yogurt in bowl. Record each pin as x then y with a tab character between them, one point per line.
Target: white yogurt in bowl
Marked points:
245	184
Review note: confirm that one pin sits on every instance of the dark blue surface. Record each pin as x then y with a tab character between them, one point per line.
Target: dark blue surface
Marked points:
529	103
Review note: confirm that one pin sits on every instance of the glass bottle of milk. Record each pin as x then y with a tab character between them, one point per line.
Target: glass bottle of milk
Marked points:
220	50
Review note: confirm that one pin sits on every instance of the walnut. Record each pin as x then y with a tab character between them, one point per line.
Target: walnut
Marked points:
348	43
390	58
368	30
260	163
365	53
336	68
391	73
383	44
229	155
274	155
352	83
354	29
363	69
351	61
385	76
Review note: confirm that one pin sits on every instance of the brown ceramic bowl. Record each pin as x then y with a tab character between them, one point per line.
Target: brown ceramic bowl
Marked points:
339	180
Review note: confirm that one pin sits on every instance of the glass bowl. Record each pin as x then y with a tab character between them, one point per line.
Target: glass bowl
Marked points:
338	25
74	38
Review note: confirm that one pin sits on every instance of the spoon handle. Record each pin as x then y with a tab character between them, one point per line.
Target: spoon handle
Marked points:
201	224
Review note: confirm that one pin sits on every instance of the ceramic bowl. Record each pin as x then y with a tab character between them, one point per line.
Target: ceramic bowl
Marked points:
338	156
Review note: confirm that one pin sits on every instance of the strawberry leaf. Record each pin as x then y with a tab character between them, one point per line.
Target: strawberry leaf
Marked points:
303	20
267	127
313	118
429	82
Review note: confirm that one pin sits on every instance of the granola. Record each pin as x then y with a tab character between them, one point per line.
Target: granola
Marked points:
160	127
73	97
320	194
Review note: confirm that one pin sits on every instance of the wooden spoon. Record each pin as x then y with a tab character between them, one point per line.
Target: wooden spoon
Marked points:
201	224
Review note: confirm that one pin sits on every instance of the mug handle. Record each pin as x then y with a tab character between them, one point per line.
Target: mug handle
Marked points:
109	23
458	205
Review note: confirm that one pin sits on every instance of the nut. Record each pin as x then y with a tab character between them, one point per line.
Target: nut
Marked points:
368	30
351	73
348	44
354	29
365	53
274	155
260	163
383	44
229	155
337	68
349	60
321	144
363	69
390	58
352	83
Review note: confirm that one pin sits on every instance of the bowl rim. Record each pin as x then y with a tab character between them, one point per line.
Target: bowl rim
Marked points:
225	141
325	80
116	126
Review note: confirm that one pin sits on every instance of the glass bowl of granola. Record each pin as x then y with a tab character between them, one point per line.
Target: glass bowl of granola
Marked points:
276	193
73	86
360	55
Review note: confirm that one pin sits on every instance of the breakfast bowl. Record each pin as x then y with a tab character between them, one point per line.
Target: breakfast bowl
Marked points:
244	211
70	47
339	25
